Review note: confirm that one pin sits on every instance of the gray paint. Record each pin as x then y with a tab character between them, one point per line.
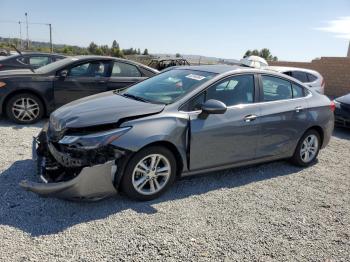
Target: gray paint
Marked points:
92	183
208	142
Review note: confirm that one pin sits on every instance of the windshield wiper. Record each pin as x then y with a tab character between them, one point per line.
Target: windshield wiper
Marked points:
135	97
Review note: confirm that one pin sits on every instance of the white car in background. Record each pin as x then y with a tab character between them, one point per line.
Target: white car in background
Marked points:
311	78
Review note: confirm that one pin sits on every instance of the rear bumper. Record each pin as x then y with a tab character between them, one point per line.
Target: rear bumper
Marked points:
90	183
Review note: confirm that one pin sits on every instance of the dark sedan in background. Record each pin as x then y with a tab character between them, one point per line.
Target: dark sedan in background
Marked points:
342	111
28	60
27	95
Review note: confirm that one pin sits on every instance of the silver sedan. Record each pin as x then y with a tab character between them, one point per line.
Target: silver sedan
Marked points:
184	121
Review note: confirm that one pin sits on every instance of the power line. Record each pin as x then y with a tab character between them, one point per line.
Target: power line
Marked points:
27	29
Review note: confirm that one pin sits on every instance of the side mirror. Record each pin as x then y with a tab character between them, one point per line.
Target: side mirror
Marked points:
213	106
63	74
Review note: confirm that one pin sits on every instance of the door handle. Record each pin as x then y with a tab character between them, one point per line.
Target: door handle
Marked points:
249	118
298	109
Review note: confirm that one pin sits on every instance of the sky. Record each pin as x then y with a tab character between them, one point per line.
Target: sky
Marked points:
293	30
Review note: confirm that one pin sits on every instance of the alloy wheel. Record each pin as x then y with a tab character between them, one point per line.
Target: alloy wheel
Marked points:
151	174
25	109
309	148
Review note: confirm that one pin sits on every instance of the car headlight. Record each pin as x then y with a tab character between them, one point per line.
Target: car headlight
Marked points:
95	140
56	124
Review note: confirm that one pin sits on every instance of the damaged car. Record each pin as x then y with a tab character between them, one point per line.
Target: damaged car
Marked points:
184	121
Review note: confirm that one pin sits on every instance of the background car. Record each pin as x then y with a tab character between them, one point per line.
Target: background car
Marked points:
183	121
28	60
163	63
26	96
342	111
311	78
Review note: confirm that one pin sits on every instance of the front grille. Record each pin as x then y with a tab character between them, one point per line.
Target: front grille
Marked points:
64	158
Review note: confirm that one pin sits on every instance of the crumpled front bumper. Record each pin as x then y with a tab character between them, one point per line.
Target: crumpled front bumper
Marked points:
92	183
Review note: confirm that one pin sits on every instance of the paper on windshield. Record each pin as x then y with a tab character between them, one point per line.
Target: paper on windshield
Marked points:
195	77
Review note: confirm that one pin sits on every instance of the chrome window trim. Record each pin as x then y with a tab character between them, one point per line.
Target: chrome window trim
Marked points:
254	103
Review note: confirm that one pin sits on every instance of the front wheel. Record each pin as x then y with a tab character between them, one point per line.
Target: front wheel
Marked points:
307	149
24	108
149	173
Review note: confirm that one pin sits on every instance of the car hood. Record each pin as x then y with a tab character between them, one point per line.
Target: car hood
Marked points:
100	109
16	72
344	99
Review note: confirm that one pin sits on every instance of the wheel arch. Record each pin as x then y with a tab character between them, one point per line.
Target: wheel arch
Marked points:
173	149
319	130
24	91
123	162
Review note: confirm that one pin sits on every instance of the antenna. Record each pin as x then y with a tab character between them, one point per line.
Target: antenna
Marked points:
27	30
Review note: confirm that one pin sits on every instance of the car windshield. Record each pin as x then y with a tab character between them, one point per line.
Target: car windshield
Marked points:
55	65
169	86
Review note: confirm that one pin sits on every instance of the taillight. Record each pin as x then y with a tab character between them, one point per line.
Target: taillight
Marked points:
332	106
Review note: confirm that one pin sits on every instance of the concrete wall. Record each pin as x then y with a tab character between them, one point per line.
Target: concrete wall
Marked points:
335	70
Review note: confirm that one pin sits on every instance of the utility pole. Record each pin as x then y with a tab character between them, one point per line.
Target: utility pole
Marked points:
20	35
51	45
349	50
27	30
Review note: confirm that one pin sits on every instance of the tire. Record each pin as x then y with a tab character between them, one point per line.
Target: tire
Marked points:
24	108
138	179
300	155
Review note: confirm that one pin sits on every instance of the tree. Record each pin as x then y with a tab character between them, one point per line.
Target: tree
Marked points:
138	51
145	52
264	53
177	55
92	48
105	50
115	44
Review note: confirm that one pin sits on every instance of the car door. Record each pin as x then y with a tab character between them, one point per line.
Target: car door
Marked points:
124	74
225	138
80	80
283	118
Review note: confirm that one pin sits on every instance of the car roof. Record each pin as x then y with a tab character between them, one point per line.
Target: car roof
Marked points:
34	53
227	69
282	69
93	57
221	69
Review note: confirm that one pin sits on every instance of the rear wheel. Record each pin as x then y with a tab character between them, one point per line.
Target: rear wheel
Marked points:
307	148
149	173
24	108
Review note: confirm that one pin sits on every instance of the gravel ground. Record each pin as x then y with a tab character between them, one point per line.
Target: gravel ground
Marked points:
270	212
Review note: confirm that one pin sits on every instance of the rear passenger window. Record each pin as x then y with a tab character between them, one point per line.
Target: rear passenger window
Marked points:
39	61
301	76
125	70
276	88
297	91
311	77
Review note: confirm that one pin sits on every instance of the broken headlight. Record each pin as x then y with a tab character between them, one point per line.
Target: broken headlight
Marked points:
95	140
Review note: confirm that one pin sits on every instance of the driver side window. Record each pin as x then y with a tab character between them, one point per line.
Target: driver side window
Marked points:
90	69
231	91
